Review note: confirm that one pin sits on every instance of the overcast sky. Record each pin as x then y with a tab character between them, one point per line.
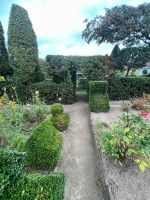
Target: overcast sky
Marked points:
58	24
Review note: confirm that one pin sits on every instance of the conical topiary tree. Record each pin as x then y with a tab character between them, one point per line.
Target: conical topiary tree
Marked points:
115	58
22	43
5	69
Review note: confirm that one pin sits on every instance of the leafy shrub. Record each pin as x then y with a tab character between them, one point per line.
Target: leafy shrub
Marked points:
47	91
66	93
139	104
61	121
12	164
37	186
44	146
125	88
129	139
145	72
16	185
11	123
18	142
57	109
51	92
98	98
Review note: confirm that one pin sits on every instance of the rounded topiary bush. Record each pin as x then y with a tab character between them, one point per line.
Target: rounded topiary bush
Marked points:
57	109
44	146
61	121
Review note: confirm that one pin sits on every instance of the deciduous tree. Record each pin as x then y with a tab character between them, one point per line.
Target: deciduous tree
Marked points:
125	24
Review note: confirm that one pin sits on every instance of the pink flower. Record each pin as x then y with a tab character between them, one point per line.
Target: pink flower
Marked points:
144	114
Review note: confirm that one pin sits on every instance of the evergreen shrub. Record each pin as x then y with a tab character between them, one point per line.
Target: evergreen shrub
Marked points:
57	109
44	146
98	98
61	121
17	185
125	88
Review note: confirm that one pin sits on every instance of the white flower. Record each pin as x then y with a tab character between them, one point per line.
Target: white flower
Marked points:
59	99
37	92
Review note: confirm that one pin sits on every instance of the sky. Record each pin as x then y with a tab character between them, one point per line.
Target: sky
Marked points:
58	24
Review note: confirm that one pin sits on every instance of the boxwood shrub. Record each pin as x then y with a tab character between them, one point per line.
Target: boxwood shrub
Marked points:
125	88
57	109
61	121
37	186
44	146
17	185
98	98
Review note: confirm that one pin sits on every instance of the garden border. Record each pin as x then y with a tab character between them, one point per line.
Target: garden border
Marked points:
100	166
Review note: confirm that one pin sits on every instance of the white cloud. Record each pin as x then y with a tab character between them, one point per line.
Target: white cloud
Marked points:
58	21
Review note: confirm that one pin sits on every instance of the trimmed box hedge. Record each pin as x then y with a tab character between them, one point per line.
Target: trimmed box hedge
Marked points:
125	88
98	98
17	185
37	186
44	146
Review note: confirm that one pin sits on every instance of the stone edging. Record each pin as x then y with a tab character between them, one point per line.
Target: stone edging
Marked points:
100	166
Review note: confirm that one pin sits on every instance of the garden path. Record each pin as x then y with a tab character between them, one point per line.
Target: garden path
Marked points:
78	156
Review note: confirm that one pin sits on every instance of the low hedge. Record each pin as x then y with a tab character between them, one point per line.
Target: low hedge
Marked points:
98	98
17	185
12	164
36	186
125	88
44	146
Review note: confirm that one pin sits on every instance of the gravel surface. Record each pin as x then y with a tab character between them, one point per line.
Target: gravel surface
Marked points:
78	156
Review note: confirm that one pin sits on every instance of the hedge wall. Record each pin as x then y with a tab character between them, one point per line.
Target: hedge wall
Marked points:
51	92
128	87
17	185
98	98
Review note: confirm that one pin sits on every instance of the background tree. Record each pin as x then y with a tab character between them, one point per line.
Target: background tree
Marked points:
134	57
125	24
22	44
115	58
5	69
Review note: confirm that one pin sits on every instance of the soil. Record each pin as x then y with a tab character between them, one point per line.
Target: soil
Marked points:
124	183
78	156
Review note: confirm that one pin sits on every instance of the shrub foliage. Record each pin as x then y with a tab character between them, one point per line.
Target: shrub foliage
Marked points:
98	98
129	139
128	87
44	146
17	185
61	121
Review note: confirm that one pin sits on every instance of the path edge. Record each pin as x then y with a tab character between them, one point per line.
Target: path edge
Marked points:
100	166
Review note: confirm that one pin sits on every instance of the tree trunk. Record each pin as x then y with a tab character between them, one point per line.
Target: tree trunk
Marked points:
128	71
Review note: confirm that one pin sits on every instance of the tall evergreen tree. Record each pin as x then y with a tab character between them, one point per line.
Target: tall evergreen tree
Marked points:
115	58
5	69
22	44
115	52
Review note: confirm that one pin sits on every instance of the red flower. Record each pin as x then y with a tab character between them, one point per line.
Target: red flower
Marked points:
144	114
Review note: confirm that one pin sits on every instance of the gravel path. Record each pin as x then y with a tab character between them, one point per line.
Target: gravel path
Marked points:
78	156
